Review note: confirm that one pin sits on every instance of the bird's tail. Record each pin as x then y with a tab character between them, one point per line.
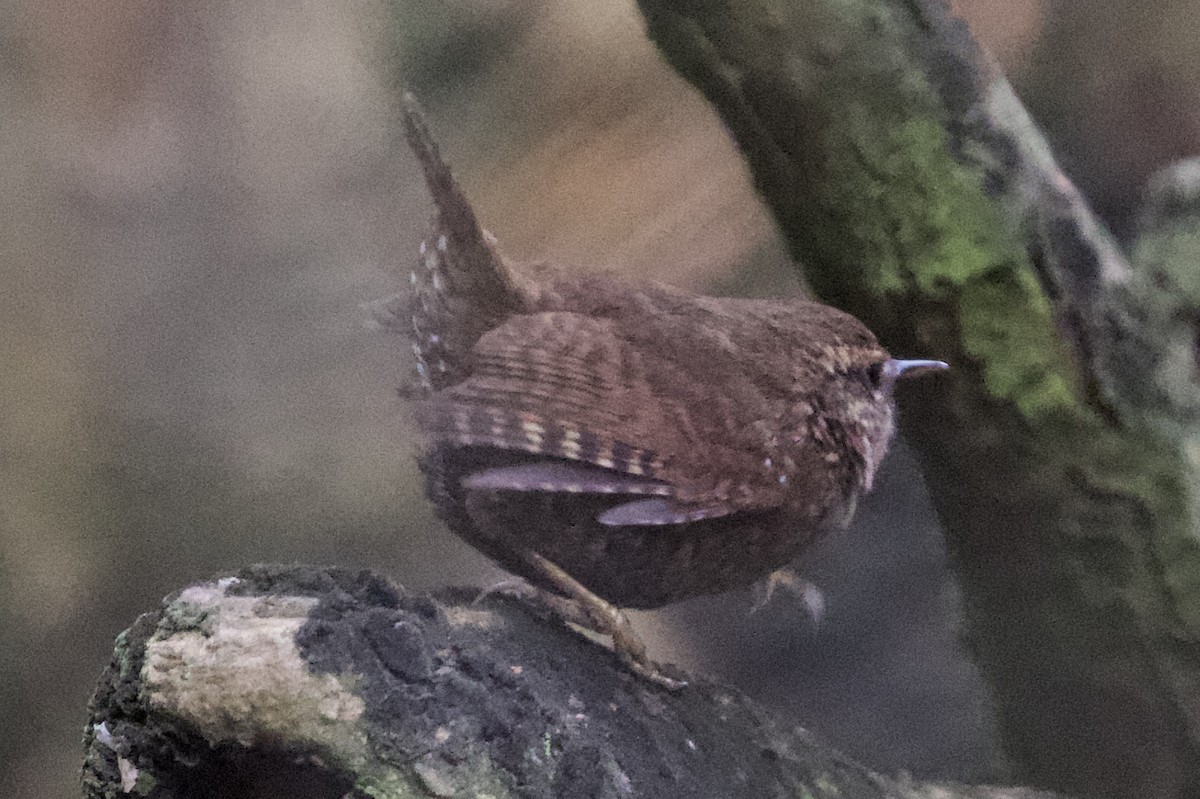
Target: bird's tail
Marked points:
461	286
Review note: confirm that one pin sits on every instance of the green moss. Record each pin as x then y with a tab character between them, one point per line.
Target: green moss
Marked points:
918	225
1143	476
182	616
121	653
1007	327
145	783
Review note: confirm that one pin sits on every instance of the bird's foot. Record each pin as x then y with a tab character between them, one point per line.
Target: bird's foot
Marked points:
583	607
807	592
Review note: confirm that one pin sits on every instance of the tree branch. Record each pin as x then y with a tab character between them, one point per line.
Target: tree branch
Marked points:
299	682
911	185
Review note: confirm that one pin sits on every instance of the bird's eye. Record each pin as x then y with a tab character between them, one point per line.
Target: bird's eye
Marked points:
875	375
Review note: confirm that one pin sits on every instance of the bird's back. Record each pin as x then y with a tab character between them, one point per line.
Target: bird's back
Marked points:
653	443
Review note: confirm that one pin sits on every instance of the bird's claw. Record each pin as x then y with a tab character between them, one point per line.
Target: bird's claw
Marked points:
582	607
807	592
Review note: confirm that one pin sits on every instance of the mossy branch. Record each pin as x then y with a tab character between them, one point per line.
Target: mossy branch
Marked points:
913	188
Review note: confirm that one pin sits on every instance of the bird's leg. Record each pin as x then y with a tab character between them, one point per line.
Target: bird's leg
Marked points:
581	606
806	591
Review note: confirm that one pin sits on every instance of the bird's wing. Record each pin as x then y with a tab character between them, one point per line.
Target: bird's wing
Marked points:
569	386
565	478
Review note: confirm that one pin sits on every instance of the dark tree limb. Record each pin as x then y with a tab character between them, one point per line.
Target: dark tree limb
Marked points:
911	185
298	682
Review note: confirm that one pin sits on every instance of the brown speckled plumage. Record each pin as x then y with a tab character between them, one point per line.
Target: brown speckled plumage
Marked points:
668	444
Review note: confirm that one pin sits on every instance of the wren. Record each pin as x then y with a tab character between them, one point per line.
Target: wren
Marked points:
622	444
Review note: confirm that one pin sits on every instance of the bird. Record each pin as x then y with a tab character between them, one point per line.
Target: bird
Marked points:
625	444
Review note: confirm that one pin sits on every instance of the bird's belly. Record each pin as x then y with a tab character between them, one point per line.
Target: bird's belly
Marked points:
637	567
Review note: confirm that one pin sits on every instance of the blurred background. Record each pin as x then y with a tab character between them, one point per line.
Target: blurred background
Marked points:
196	199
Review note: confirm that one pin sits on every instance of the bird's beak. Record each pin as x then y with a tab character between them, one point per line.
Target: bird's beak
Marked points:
896	368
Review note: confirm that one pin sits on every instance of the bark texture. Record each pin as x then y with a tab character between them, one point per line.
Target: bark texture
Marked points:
300	682
912	186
